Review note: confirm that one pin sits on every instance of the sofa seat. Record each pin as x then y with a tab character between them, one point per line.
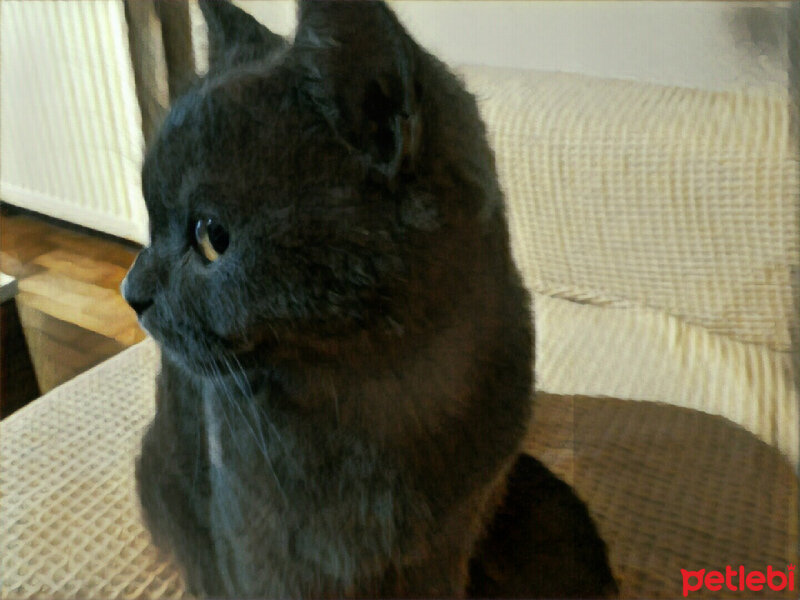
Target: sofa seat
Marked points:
671	488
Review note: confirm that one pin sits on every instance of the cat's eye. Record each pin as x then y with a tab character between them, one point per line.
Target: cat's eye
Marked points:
211	237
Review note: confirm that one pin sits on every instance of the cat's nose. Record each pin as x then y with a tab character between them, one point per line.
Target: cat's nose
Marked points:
138	304
138	287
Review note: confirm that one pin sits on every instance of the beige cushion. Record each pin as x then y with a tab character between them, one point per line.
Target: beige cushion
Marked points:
633	194
69	519
658	229
646	354
670	488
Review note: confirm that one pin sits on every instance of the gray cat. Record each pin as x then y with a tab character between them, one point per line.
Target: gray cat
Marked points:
346	343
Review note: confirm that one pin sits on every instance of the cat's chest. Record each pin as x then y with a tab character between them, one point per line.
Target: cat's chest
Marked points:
319	509
251	462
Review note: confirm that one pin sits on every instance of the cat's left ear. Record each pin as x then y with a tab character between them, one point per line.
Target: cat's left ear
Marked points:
360	72
235	37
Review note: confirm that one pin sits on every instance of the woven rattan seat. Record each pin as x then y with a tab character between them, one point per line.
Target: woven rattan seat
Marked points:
670	487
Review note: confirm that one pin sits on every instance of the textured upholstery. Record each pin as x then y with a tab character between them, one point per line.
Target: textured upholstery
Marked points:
670	488
659	229
69	519
624	193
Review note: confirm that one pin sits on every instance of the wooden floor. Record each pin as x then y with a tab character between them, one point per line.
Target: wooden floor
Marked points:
69	303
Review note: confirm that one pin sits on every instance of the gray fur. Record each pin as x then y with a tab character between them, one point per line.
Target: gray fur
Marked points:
343	391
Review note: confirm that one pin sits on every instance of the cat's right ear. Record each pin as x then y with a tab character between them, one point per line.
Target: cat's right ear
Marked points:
235	37
360	74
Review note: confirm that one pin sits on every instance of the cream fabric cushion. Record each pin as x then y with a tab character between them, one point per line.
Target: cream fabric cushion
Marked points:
658	228
644	354
669	487
632	194
69	517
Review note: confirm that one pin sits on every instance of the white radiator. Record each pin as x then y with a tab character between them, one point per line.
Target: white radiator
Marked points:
70	128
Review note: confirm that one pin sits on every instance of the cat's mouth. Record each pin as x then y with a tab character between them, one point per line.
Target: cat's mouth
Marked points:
199	352
208	353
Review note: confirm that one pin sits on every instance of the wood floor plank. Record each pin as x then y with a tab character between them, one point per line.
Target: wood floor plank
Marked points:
27	251
60	310
24	238
23	228
102	316
132	334
11	264
117	253
65	289
69	304
56	361
82	267
33	318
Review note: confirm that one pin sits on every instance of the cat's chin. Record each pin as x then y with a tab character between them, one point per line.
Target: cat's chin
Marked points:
203	365
200	359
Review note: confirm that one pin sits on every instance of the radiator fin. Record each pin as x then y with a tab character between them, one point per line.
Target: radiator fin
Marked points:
71	142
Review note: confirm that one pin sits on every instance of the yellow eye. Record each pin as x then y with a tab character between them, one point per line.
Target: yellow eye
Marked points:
211	237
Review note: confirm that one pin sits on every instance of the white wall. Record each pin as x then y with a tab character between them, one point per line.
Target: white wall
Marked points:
713	45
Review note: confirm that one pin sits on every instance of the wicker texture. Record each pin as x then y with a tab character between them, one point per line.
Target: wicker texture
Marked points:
69	520
623	193
671	488
645	354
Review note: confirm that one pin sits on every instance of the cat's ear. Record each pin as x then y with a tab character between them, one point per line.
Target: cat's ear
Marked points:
360	71
235	37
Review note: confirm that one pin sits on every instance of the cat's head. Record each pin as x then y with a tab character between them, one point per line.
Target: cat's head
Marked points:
311	195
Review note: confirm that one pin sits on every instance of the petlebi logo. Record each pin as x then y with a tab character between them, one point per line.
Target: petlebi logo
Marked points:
735	580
